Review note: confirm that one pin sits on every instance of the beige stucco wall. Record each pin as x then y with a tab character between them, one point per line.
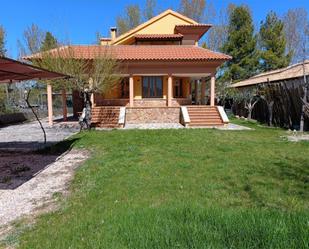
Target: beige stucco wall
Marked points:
164	25
137	87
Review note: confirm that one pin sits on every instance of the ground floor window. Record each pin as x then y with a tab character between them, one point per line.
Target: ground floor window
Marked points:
152	87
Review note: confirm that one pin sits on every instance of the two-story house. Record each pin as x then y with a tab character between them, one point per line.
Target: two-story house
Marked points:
164	74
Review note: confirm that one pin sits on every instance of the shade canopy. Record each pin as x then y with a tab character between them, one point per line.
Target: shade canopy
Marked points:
14	71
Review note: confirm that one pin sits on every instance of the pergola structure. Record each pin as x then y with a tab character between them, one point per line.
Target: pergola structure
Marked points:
15	71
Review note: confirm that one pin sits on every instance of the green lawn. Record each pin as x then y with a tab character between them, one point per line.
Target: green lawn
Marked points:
190	188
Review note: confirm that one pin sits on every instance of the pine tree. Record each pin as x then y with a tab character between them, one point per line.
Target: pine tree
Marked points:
272	43
49	42
2	41
241	45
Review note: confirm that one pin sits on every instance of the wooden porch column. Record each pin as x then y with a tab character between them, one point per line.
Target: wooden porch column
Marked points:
169	90
203	89
92	99
64	104
50	104
131	91
212	90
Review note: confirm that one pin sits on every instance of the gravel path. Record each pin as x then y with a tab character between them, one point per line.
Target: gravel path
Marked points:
29	136
31	195
298	137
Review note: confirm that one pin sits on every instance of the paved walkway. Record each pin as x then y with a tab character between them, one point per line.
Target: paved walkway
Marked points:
229	126
154	126
29	136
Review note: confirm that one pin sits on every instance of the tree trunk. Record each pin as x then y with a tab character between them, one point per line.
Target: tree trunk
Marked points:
270	106
249	114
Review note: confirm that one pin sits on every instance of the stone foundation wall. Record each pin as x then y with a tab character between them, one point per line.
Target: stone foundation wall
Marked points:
150	103
160	102
138	115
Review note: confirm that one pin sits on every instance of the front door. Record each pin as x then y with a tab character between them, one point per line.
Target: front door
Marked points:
152	87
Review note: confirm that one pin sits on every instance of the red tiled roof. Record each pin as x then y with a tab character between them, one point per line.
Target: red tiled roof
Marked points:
158	36
138	52
194	25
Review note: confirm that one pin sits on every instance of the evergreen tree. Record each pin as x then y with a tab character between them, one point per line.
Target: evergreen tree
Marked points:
241	45
49	42
2	41
272	43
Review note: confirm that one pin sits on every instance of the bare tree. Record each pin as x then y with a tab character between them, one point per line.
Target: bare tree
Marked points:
150	8
130	19
32	40
2	41
194	9
217	35
249	96
98	75
268	93
296	26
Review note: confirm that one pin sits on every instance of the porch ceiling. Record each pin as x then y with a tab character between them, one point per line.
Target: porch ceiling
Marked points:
184	69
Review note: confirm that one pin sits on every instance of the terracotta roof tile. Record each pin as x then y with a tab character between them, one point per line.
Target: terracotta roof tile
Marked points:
138	52
158	36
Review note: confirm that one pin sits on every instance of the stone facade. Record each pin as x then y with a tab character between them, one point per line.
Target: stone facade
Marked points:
137	115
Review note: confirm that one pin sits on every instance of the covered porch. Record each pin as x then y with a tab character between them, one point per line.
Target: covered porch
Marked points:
182	86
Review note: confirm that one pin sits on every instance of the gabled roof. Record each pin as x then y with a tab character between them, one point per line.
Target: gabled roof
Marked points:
138	53
193	29
14	71
293	71
151	21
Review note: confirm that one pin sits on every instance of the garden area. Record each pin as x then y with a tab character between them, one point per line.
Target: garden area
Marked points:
186	188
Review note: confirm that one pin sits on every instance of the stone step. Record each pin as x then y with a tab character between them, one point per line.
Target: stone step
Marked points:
206	124
204	116
196	115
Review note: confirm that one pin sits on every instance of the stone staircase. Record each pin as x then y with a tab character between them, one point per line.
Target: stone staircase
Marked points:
105	116
204	116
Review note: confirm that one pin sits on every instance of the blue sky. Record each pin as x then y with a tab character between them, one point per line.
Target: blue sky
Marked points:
77	21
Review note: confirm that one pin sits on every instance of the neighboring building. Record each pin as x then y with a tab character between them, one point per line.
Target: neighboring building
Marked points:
162	64
285	87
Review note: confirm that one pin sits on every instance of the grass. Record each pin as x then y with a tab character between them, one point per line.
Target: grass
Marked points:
193	188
